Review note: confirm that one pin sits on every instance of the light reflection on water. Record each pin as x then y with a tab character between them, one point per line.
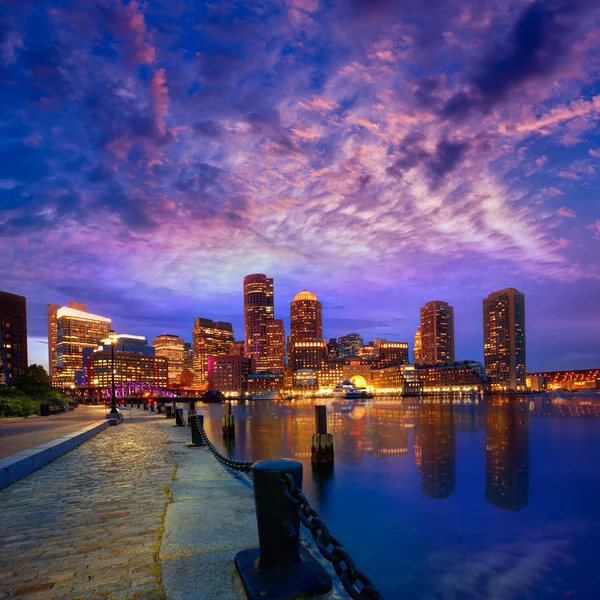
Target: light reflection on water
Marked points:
433	499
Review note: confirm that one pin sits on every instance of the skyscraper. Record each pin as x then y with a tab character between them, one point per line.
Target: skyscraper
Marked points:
13	336
417	349
437	333
209	338
349	345
172	347
306	348
52	331
75	330
258	310
504	339
275	360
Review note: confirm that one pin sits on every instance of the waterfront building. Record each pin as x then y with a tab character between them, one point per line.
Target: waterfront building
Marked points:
436	333
53	331
305	379
334	372
134	361
392	353
417	347
507	455
76	330
209	338
172	347
463	376
349	345
435	450
402	379
308	354
259	309
13	336
275	358
332	349
228	374
504	340
571	381
261	383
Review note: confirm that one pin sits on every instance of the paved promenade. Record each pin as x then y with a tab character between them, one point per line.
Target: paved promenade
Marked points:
88	525
17	435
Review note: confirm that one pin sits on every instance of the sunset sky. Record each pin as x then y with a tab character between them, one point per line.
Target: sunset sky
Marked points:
380	153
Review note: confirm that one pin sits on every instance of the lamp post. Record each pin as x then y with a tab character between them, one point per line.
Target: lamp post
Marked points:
113	339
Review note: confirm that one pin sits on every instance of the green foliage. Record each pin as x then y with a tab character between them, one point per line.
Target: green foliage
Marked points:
37	384
14	403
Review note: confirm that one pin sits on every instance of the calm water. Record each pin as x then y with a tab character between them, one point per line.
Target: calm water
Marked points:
497	500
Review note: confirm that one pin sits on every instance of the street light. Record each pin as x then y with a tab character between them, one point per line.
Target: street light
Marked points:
112	338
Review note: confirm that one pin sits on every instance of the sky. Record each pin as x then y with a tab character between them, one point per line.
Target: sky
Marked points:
379	153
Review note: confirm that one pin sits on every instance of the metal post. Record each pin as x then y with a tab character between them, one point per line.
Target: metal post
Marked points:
196	423
280	567
113	406
179	422
322	442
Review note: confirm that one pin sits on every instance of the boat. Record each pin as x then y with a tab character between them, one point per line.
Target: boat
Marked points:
268	395
348	391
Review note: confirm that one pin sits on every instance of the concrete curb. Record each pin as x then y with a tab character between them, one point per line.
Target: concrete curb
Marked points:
17	466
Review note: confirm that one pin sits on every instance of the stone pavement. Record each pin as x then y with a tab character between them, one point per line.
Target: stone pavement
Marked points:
89	524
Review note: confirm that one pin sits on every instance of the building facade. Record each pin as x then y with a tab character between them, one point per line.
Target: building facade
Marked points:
349	345
504	340
392	353
463	376
75	330
332	349
228	374
13	336
571	381
275	359
260	383
172	347
308	354
209	338
436	333
53	331
259	309
417	347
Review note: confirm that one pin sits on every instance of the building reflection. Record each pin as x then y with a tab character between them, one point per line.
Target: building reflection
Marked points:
507	454
435	449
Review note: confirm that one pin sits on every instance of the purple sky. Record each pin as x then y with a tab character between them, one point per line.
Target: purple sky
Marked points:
380	153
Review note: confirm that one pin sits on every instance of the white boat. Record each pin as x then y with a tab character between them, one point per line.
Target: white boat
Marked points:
268	395
348	391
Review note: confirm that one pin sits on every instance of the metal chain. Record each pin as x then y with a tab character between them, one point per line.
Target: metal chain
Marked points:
236	465
337	556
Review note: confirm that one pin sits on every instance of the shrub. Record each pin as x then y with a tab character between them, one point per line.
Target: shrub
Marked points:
14	403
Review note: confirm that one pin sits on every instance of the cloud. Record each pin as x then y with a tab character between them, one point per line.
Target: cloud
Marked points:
595	227
566	212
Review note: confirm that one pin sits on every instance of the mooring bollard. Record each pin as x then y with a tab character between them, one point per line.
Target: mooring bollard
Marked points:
159	408
169	410
280	567
196	422
179	422
322	442
228	422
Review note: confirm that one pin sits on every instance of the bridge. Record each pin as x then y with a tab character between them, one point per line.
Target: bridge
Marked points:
126	389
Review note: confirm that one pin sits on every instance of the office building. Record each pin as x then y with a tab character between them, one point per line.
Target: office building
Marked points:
259	308
307	354
462	376
571	381
436	333
53	331
392	353
306	317
209	338
76	330
275	358
238	348
349	345
228	374
402	379
13	336
504	340
332	349
172	347
261	383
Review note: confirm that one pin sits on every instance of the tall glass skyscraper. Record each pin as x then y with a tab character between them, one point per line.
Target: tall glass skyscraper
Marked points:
259	308
504	340
437	333
306	347
209	338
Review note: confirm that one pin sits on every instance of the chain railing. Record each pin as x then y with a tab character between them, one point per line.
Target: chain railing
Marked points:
338	555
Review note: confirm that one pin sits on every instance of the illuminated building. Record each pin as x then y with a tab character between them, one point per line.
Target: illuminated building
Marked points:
332	349
75	330
238	348
13	336
306	317
53	331
504	340
172	347
275	359
349	345
305	379
189	358
333	373
308	354
535	383
402	379
259	383
435	450
209	338
228	373
507	455
258	310
582	379
135	361
392	353
436	333
463	376
417	348
368	353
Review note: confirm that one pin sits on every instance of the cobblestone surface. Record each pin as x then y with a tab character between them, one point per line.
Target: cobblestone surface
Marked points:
89	524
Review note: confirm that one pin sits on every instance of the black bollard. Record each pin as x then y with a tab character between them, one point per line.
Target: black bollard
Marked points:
179	422
322	442
169	412
228	422
280	567
196	422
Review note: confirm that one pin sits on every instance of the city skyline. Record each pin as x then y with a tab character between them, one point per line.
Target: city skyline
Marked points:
154	153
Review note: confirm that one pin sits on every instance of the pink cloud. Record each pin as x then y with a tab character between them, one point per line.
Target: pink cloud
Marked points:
307	5
595	227
128	23
594	153
566	212
160	99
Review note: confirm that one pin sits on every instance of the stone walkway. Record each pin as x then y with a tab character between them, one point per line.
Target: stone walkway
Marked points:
89	524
